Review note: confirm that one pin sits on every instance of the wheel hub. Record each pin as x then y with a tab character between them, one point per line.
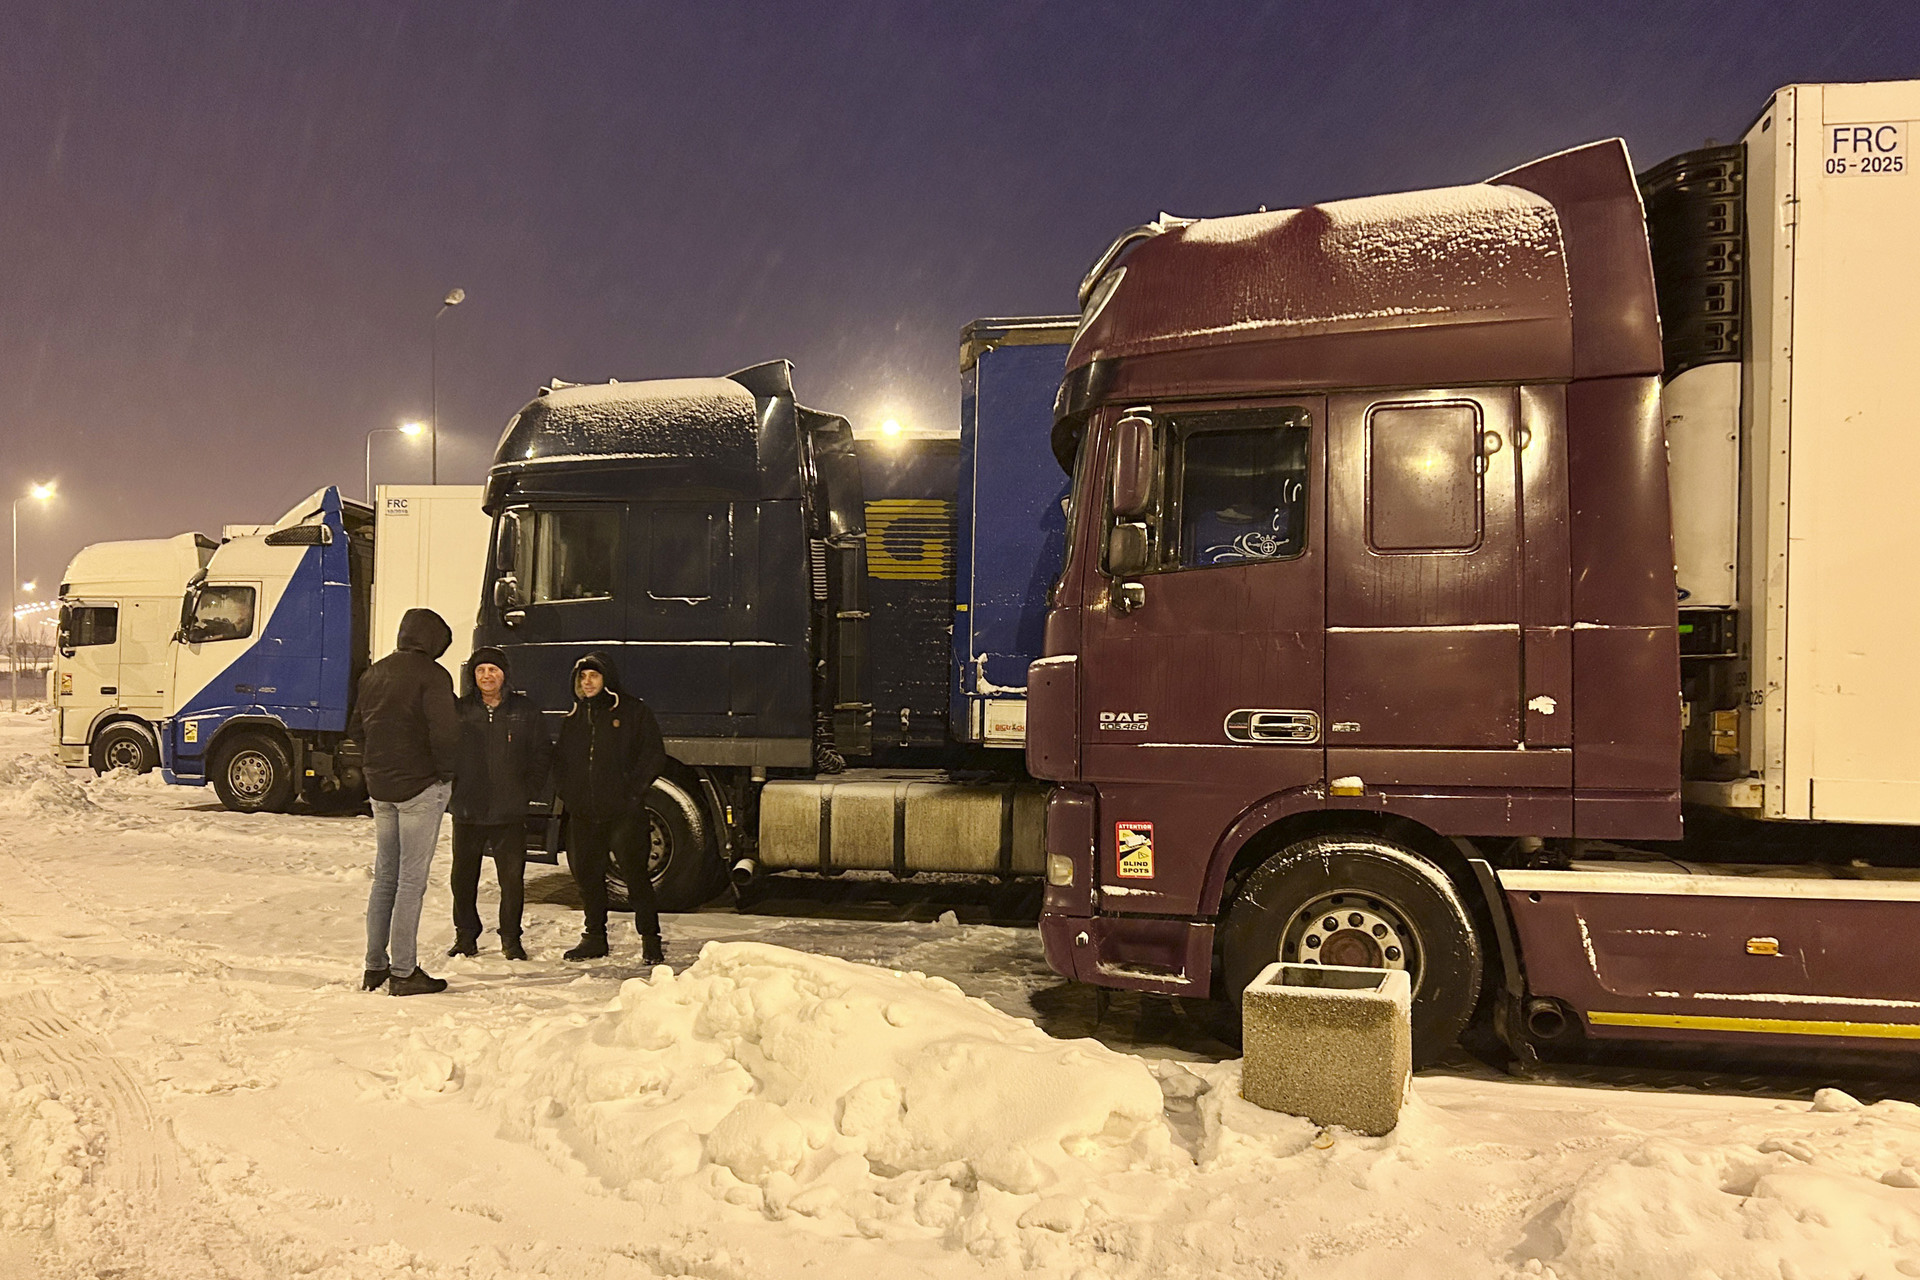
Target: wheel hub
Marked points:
658	844
123	753
1353	930
250	775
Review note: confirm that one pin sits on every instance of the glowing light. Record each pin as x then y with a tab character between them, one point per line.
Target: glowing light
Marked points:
412	428
41	492
890	427
26	586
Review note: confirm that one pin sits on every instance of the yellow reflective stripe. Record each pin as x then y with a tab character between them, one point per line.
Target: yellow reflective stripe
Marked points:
1767	1026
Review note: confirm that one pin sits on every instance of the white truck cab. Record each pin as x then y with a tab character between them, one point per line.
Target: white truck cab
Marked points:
119	607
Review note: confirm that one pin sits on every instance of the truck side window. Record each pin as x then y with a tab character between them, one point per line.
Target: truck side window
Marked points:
223	613
1242	486
681	549
88	624
573	555
1423	477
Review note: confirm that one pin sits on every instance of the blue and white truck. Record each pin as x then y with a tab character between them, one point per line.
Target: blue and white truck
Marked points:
275	630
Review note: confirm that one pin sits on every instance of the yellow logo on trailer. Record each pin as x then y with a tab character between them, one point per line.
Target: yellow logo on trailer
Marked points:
910	538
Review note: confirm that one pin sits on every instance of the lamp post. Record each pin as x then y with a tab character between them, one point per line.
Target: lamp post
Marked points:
39	493
405	429
454	298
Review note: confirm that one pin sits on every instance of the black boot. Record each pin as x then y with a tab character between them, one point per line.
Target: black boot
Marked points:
464	944
592	946
417	983
651	952
374	979
510	947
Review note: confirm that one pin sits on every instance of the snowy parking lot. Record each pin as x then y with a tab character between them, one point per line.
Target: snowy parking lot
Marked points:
192	1084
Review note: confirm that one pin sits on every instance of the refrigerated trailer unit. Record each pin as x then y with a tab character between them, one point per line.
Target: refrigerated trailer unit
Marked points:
1370	646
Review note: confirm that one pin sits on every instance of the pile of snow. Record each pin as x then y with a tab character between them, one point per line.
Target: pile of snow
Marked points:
800	1084
1833	1190
45	1154
32	784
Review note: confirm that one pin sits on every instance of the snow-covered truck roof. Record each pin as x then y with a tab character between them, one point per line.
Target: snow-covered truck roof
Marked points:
737	433
1540	273
144	565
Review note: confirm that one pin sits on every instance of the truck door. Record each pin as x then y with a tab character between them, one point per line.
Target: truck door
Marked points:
680	570
1424	675
88	680
560	566
1203	682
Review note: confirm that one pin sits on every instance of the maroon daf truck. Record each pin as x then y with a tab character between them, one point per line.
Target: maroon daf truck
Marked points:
1368	649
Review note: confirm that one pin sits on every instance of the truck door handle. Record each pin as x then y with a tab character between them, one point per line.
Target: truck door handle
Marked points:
110	689
1255	724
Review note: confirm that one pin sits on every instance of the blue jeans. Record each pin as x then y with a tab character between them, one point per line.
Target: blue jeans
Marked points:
405	833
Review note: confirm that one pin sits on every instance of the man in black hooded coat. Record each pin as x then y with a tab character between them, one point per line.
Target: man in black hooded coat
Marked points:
608	754
403	717
505	756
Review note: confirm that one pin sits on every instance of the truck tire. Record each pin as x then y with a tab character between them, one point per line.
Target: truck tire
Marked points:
124	746
253	773
686	874
1390	908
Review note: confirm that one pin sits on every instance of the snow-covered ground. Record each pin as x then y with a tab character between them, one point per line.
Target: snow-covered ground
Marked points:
191	1085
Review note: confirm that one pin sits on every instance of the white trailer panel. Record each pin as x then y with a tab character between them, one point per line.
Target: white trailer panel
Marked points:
429	552
1832	443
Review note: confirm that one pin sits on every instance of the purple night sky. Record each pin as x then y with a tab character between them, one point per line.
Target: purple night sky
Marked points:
226	228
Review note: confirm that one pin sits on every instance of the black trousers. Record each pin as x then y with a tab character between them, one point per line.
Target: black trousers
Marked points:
506	844
589	843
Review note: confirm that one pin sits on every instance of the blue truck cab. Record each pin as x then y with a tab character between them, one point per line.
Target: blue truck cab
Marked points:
272	639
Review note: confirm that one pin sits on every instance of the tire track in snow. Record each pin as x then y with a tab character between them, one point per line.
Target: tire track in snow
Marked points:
40	1044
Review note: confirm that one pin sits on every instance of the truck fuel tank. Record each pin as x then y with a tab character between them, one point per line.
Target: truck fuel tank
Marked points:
880	820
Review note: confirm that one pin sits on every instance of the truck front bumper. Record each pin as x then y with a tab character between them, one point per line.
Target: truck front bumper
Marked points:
1131	953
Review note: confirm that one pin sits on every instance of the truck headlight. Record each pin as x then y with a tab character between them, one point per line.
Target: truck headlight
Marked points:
1059	869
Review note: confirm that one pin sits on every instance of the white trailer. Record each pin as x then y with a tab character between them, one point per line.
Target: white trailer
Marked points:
1794	468
429	551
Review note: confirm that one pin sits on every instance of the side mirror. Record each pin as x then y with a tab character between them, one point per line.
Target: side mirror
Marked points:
1132	465
506	592
506	545
1127	548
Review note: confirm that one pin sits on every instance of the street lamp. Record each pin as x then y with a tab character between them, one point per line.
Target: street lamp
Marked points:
454	298
39	493
405	429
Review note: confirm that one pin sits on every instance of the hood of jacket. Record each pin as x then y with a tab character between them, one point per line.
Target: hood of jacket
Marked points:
486	653
604	665
424	631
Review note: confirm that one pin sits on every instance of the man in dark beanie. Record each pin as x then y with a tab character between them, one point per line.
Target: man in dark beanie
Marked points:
504	758
608	754
404	720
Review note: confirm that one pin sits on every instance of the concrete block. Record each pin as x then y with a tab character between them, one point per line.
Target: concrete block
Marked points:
1329	1043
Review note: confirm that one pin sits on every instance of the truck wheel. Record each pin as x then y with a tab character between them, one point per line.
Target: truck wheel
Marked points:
124	746
1365	902
252	773
685	873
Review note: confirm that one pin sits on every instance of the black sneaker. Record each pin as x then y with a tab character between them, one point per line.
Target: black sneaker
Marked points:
374	979
651	952
592	946
417	983
512	950
464	944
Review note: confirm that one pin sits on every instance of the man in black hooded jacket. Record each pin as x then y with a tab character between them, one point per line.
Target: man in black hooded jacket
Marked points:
403	718
505	756
608	754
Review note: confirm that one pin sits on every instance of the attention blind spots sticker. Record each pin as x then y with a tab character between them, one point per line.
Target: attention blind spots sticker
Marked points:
1133	849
